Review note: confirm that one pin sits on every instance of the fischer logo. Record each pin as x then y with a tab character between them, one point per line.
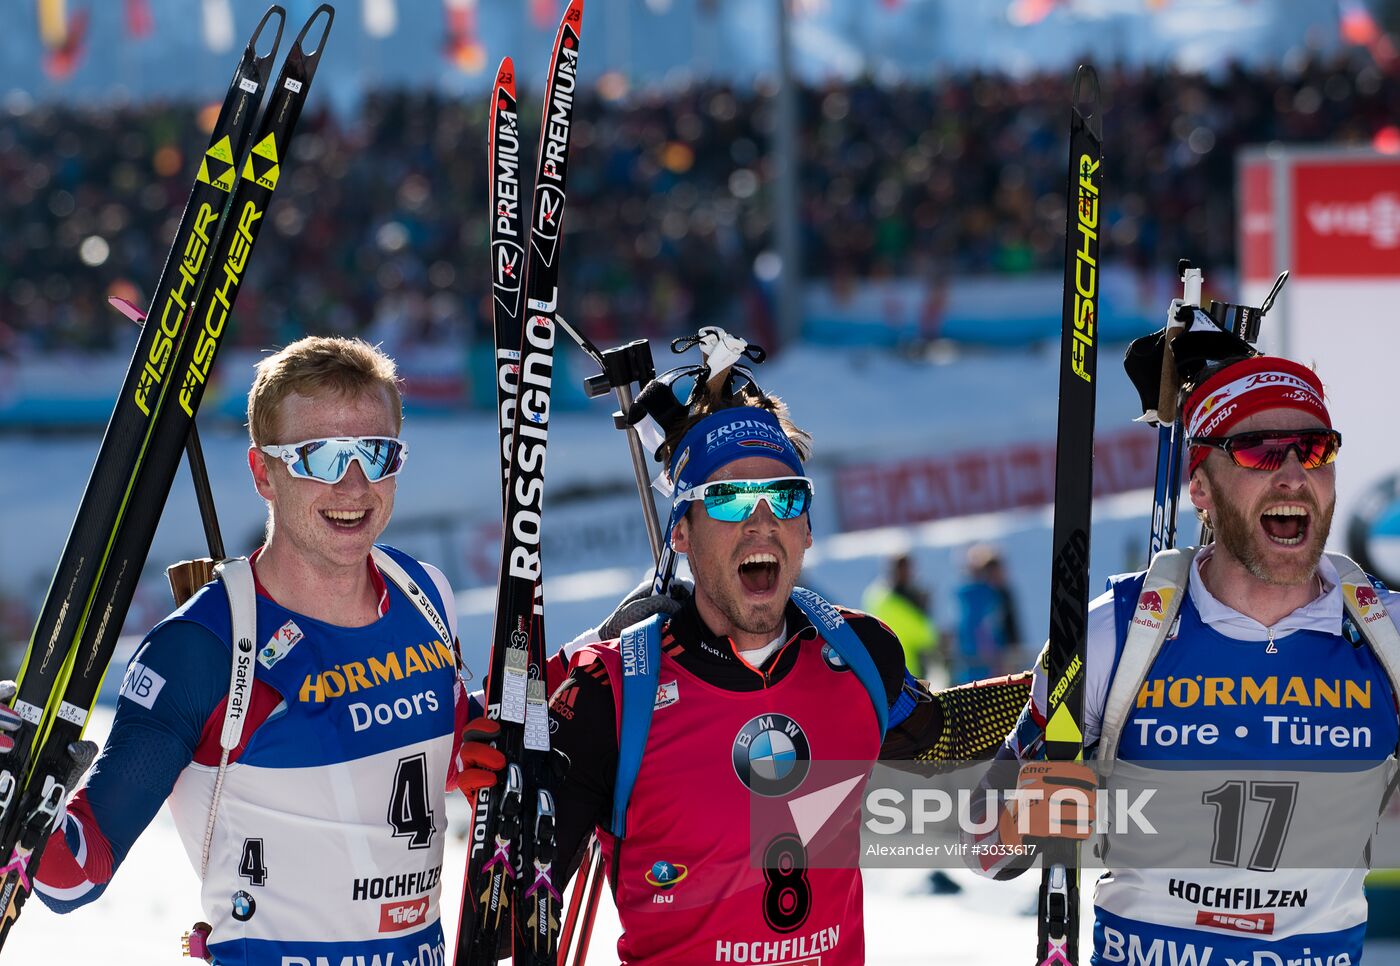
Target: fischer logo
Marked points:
177	303
397	916
1261	923
1377	219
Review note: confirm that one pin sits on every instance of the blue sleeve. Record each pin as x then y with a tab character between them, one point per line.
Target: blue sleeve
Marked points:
174	683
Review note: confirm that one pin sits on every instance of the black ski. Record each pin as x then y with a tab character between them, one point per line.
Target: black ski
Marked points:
507	253
1058	933
509	878
131	505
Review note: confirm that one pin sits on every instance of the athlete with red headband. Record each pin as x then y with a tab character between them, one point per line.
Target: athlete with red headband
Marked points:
1256	650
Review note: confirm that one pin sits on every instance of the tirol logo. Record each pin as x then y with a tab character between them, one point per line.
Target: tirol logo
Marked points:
834	660
771	755
397	916
1254	922
664	875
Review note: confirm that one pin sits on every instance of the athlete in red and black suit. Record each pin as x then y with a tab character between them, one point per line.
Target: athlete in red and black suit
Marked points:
752	704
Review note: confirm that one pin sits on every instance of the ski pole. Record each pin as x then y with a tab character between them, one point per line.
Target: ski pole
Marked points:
621	367
1167	486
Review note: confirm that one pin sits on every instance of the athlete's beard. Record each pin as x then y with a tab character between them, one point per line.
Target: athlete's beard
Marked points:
1241	536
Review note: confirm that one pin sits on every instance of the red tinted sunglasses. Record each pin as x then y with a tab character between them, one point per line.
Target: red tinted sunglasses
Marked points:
1268	448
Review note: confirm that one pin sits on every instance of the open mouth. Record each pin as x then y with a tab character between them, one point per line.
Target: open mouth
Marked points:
345	519
1286	525
758	572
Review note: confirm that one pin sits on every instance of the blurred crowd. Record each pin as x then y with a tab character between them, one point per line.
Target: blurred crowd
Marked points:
378	225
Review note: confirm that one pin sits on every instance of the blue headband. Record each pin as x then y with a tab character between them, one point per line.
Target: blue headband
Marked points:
726	436
713	443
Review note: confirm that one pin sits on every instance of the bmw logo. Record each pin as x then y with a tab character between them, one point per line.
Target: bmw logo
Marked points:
771	755
1373	533
243	906
833	660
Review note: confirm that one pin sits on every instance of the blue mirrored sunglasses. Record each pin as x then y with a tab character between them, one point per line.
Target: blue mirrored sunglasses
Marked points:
328	460
733	501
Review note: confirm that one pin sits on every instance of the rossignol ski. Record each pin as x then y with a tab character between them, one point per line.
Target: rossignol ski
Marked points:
1058	914
107	548
509	878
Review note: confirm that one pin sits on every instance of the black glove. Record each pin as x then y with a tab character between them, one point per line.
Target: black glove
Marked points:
641	603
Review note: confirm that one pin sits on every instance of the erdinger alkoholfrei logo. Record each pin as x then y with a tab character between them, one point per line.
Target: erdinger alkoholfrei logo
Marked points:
771	755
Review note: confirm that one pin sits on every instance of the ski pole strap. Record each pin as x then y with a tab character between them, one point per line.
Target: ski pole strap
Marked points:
848	646
393	570
1153	614
1363	605
640	647
237	575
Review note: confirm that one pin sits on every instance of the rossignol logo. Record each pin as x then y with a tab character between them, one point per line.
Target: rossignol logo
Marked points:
1086	268
549	197
217	316
172	313
353	676
1377	219
531	435
507	255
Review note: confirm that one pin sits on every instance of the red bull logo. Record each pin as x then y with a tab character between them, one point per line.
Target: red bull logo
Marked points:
1152	607
1366	598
